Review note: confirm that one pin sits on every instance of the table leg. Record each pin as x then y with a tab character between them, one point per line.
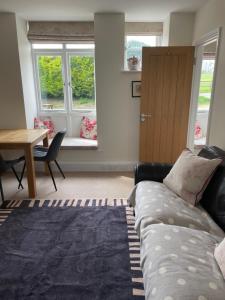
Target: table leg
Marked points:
45	144
31	179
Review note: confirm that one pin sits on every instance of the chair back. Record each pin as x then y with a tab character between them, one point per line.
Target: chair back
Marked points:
3	165
55	145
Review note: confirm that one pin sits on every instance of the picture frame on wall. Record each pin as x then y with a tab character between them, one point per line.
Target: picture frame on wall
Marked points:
136	89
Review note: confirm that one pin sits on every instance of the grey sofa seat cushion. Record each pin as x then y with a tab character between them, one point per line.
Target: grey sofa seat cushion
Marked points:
178	263
155	203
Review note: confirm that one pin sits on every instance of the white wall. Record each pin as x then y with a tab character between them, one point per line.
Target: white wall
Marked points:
181	29
117	112
166	31
26	72
12	112
210	17
178	29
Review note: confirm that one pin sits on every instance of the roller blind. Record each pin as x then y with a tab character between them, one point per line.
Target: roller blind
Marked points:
148	28
60	31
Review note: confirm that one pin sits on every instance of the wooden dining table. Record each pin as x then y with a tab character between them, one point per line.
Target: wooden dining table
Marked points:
25	139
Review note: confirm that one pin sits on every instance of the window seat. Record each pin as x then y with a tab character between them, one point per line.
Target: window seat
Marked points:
77	144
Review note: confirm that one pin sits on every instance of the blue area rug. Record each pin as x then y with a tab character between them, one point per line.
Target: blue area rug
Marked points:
69	249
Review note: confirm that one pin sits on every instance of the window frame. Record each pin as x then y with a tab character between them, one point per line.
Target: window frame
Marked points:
205	39
158	44
65	53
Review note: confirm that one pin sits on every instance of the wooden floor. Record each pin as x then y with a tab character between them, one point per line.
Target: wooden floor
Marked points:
76	185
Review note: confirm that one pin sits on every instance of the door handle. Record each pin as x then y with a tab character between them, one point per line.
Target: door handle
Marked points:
143	116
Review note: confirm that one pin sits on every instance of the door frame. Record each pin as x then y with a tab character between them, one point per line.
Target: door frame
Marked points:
204	40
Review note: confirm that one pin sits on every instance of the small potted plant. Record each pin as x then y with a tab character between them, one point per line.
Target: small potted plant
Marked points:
133	63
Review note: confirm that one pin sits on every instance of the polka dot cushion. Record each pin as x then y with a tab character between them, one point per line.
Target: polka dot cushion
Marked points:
178	263
155	203
220	256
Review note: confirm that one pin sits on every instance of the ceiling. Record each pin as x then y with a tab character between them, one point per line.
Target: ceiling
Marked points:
62	10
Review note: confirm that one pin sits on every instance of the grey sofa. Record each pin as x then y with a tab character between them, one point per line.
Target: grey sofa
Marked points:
178	239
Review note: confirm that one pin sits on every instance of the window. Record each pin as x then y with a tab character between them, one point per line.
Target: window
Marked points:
65	79
204	98
208	59
134	44
65	82
50	81
203	89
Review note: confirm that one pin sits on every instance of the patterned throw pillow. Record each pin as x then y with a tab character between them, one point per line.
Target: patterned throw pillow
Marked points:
45	123
88	129
219	254
190	176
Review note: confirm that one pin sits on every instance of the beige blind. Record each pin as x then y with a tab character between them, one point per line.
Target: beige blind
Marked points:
148	28
60	31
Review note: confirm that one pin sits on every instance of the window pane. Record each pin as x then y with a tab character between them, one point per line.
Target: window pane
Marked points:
134	44
204	99
47	46
51	82
80	46
82	82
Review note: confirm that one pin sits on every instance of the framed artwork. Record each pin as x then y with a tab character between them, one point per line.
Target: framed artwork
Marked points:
136	89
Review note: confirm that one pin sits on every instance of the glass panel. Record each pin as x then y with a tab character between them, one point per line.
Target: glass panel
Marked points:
205	93
80	46
47	46
134	45
82	82
51	82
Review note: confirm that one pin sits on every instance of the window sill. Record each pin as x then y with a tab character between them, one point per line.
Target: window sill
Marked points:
130	71
199	147
76	143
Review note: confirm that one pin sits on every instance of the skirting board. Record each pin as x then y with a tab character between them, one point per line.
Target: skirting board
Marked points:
121	166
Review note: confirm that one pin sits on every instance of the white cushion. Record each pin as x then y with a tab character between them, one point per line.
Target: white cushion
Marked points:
220	256
190	175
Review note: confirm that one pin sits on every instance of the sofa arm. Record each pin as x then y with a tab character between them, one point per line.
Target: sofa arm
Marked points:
151	171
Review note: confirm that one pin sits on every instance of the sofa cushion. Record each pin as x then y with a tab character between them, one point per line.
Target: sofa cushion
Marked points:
155	203
176	265
220	256
88	128
190	175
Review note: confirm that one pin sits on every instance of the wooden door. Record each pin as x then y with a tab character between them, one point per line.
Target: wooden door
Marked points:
165	101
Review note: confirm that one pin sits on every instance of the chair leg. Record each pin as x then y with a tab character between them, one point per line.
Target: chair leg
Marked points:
1	190
21	176
50	171
17	177
60	170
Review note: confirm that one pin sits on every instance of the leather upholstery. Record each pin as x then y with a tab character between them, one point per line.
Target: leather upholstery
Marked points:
151	171
213	199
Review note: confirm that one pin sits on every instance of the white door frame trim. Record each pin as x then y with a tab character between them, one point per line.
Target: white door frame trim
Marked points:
204	40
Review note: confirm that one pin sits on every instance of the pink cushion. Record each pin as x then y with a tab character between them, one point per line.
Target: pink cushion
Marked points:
190	175
45	123
219	254
88	129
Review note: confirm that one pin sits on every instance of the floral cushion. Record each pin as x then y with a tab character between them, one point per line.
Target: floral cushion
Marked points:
45	123
190	175
88	129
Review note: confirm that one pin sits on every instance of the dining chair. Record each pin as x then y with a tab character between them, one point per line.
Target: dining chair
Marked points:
49	154
6	165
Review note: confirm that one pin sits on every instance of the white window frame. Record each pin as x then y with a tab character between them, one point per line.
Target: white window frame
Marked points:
158	43
65	54
208	38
